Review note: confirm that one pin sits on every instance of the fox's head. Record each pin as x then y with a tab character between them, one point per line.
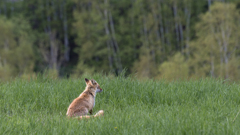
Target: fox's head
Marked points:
93	85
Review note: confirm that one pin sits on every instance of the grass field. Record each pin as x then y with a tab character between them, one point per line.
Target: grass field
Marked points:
131	107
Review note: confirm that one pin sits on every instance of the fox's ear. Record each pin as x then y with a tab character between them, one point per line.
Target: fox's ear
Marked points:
93	82
86	80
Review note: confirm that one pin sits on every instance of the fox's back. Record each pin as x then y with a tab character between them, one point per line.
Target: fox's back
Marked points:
83	101
84	104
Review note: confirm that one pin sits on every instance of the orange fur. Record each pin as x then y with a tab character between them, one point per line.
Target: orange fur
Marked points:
84	104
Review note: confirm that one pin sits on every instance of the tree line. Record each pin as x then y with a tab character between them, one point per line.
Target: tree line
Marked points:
168	39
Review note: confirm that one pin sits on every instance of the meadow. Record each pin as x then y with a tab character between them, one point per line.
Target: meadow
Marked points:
39	106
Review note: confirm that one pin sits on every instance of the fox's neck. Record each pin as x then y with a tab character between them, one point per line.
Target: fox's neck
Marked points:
90	90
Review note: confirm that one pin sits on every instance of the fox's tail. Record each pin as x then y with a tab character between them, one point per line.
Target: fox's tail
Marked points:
98	114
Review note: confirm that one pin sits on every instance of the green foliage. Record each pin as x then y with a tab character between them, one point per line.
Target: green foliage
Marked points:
50	20
217	40
145	67
74	37
150	107
91	39
16	53
176	68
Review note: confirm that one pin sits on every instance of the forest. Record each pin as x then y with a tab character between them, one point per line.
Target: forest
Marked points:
157	39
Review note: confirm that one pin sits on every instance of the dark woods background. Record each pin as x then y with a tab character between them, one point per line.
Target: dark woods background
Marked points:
171	39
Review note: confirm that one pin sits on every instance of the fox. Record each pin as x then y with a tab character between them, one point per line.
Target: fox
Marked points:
84	103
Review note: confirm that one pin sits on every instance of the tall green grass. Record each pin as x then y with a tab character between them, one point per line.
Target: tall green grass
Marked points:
131	107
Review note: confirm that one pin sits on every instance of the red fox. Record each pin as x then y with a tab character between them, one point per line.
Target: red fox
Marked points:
85	102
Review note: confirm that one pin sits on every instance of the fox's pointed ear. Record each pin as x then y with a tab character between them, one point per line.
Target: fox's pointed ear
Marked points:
86	80
93	81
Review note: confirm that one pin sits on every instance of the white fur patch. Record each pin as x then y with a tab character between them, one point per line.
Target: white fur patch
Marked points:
98	90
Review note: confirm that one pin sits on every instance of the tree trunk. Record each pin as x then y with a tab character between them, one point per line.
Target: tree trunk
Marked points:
5	9
49	32
225	37
53	61
132	31
119	65
6	49
155	20
146	44
54	10
167	32
209	4
107	33
65	29
161	26
211	53
181	36
12	7
54	50
188	16
176	23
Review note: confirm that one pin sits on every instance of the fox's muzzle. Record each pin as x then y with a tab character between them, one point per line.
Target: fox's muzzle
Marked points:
99	90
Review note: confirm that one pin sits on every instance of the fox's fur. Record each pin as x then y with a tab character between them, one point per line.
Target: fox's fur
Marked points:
84	104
